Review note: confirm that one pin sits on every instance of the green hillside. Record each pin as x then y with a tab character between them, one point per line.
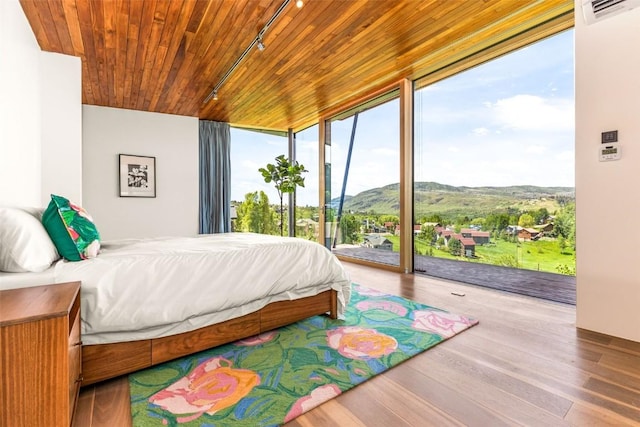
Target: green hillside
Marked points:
432	197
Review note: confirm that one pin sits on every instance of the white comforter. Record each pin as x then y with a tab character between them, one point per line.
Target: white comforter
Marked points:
139	289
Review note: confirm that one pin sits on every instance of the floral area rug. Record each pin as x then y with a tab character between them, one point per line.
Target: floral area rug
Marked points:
274	377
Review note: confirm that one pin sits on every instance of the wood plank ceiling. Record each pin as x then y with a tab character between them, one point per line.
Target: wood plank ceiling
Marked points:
167	55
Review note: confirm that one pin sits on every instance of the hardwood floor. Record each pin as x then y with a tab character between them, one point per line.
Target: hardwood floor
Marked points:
524	364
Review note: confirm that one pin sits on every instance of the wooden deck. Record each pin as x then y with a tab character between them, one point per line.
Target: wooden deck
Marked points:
539	284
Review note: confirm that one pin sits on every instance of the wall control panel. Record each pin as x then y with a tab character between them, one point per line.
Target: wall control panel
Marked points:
609	152
609	148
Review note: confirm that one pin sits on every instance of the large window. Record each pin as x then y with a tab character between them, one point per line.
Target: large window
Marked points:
494	162
362	194
256	204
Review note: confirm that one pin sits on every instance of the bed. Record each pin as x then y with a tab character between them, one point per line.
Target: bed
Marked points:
146	301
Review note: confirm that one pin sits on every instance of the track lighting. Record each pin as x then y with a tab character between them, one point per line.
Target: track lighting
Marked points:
255	42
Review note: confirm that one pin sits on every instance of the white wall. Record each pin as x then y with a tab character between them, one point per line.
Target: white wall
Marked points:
20	108
172	140
40	116
61	98
608	193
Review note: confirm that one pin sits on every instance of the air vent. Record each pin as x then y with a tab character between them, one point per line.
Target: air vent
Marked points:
596	10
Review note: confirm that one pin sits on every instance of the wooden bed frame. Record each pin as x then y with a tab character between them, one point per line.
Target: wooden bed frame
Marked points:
104	361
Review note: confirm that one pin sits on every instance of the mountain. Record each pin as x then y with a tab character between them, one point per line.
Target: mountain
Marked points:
432	197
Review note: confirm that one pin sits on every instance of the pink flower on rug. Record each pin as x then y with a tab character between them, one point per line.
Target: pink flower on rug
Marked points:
391	306
212	386
307	403
359	343
258	339
440	322
332	371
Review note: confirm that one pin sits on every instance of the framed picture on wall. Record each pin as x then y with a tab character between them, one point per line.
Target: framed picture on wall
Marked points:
137	176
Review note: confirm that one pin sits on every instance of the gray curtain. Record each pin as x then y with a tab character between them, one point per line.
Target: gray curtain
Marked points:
215	177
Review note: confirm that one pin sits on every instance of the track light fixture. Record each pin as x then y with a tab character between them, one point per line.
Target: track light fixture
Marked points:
255	42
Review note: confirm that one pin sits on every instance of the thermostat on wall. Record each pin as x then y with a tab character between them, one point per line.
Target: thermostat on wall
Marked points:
609	152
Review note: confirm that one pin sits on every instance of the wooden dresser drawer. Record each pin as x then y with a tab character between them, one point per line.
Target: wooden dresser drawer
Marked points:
39	343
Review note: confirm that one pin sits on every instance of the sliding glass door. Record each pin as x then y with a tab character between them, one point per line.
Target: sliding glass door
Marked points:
494	163
362	175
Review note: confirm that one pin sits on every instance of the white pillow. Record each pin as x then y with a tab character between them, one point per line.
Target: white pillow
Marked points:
25	245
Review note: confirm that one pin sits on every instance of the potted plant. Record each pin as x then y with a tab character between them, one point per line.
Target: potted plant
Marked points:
286	176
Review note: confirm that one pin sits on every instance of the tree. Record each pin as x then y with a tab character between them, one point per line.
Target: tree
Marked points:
349	227
565	223
455	247
525	221
432	218
562	244
255	214
462	221
478	222
540	216
428	234
496	222
286	176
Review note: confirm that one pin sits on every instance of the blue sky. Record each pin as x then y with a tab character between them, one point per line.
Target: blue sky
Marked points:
507	122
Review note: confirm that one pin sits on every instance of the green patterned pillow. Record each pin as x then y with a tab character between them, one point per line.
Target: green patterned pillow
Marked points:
71	229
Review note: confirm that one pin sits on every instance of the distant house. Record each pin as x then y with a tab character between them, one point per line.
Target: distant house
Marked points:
377	242
546	228
468	246
389	226
528	234
513	229
444	233
480	237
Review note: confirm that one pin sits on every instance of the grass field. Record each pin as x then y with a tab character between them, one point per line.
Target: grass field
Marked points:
542	255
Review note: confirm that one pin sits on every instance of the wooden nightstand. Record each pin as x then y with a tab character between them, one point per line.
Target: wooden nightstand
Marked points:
40	355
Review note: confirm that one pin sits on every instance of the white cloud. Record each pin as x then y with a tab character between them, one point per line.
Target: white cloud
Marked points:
529	112
504	161
535	149
481	131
